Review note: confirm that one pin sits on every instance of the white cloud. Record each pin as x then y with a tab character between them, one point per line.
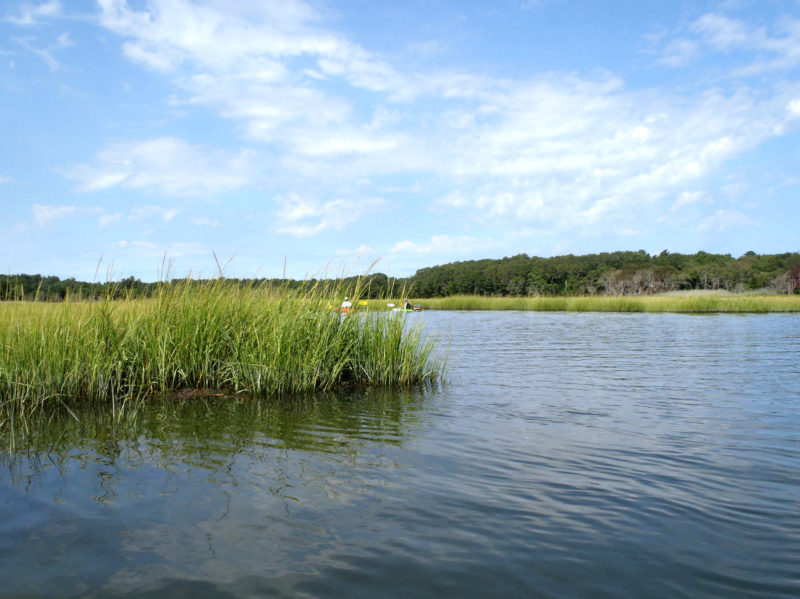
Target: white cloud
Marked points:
64	41
438	244
227	37
108	219
148	212
561	149
679	52
722	220
724	33
339	142
17	229
600	208
570	151
562	132
364	249
44	215
688	198
270	66
4	179
303	217
205	222
267	109
773	51
164	165
43	53
29	14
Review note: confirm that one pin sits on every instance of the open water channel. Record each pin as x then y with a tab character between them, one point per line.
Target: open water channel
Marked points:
568	455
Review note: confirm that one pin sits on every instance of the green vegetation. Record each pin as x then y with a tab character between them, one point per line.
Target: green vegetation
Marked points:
688	303
38	288
614	273
253	340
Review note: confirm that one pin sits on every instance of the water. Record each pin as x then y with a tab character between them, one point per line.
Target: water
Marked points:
569	455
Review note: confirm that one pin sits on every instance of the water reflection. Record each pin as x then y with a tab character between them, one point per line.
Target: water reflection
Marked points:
208	432
184	489
568	455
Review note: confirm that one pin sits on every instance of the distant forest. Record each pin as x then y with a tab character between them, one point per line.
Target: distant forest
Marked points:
614	273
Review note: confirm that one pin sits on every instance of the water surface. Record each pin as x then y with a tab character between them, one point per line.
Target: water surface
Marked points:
585	455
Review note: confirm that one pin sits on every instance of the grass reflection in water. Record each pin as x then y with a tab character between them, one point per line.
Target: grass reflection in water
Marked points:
205	431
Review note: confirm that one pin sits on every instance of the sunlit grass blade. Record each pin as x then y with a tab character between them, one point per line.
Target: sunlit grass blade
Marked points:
253	340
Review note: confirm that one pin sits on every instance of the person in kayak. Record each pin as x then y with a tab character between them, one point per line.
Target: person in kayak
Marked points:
407	305
347	305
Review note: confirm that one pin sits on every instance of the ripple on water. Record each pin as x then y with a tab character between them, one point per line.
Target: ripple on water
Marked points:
585	455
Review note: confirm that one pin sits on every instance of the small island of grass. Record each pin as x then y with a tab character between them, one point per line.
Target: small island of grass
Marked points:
254	341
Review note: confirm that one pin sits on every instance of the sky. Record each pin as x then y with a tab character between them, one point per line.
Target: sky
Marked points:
324	137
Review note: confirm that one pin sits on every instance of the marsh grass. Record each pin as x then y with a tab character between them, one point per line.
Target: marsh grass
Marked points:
255	341
694	303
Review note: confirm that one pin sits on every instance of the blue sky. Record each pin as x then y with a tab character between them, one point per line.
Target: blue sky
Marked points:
326	135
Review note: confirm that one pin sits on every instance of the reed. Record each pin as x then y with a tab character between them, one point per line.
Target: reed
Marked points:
695	303
254	340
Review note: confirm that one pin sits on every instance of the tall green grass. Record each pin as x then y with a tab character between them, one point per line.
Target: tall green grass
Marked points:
253	341
665	303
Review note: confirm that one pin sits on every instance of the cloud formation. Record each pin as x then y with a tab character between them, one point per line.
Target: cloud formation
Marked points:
772	48
296	115
722	220
439	244
44	215
555	148
303	217
165	165
30	14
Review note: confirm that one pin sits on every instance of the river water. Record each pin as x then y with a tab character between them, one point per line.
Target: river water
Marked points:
567	455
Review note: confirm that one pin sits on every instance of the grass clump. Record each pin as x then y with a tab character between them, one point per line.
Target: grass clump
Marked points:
694	303
256	341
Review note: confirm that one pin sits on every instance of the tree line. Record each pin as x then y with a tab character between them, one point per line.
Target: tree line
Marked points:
50	288
611	273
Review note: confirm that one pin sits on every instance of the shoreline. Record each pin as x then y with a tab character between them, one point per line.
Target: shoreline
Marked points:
696	303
